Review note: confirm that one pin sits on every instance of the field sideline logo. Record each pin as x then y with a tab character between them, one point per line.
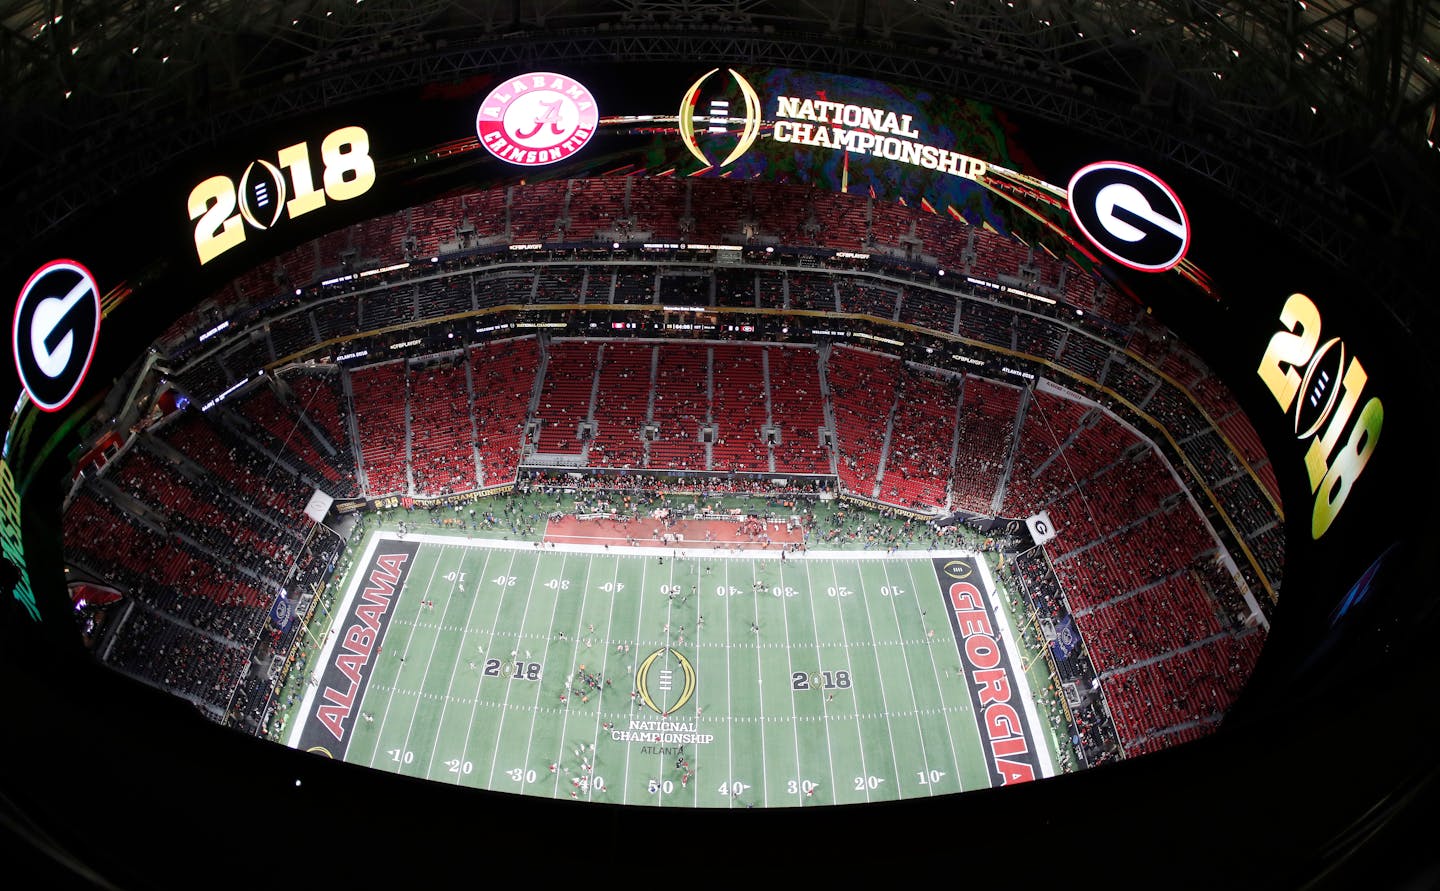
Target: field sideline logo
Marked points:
719	118
958	569
537	119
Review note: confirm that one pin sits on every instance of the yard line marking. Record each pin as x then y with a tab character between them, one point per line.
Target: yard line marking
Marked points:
760	682
569	682
824	710
604	668
500	731
489	643
885	700
545	661
639	619
730	699
429	661
439	725
669	602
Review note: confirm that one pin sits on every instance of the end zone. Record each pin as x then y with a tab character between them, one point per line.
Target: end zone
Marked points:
1015	750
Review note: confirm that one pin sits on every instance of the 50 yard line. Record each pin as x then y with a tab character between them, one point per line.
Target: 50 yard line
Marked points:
639	618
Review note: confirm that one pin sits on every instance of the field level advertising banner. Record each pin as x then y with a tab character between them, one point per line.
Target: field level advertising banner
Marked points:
990	679
332	706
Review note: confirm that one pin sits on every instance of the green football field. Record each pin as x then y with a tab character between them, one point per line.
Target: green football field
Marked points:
648	676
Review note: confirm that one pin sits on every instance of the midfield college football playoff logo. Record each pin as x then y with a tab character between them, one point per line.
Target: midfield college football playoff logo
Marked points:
662	691
537	119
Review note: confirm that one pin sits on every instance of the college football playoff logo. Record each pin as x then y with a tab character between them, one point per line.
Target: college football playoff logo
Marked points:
666	681
958	569
719	119
537	119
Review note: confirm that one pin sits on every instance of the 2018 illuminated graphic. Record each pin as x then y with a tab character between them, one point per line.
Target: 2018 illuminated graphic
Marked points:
220	209
1329	390
537	119
56	328
1130	214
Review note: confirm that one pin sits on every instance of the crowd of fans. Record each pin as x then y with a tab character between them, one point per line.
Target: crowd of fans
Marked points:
862	391
1163	618
200	528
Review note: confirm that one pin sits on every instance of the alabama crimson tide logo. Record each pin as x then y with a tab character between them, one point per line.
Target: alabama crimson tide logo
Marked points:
537	119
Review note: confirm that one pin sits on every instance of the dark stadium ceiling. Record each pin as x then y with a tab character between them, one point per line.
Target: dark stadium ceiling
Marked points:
1315	113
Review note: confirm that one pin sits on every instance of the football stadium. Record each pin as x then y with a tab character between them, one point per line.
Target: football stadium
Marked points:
753	436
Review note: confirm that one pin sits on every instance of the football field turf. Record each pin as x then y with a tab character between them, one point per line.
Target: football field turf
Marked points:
691	678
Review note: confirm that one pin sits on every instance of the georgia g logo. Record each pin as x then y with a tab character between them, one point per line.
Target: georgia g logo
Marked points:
537	119
1130	214
57	325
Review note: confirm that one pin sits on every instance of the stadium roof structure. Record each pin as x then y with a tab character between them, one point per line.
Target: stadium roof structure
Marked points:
1316	115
